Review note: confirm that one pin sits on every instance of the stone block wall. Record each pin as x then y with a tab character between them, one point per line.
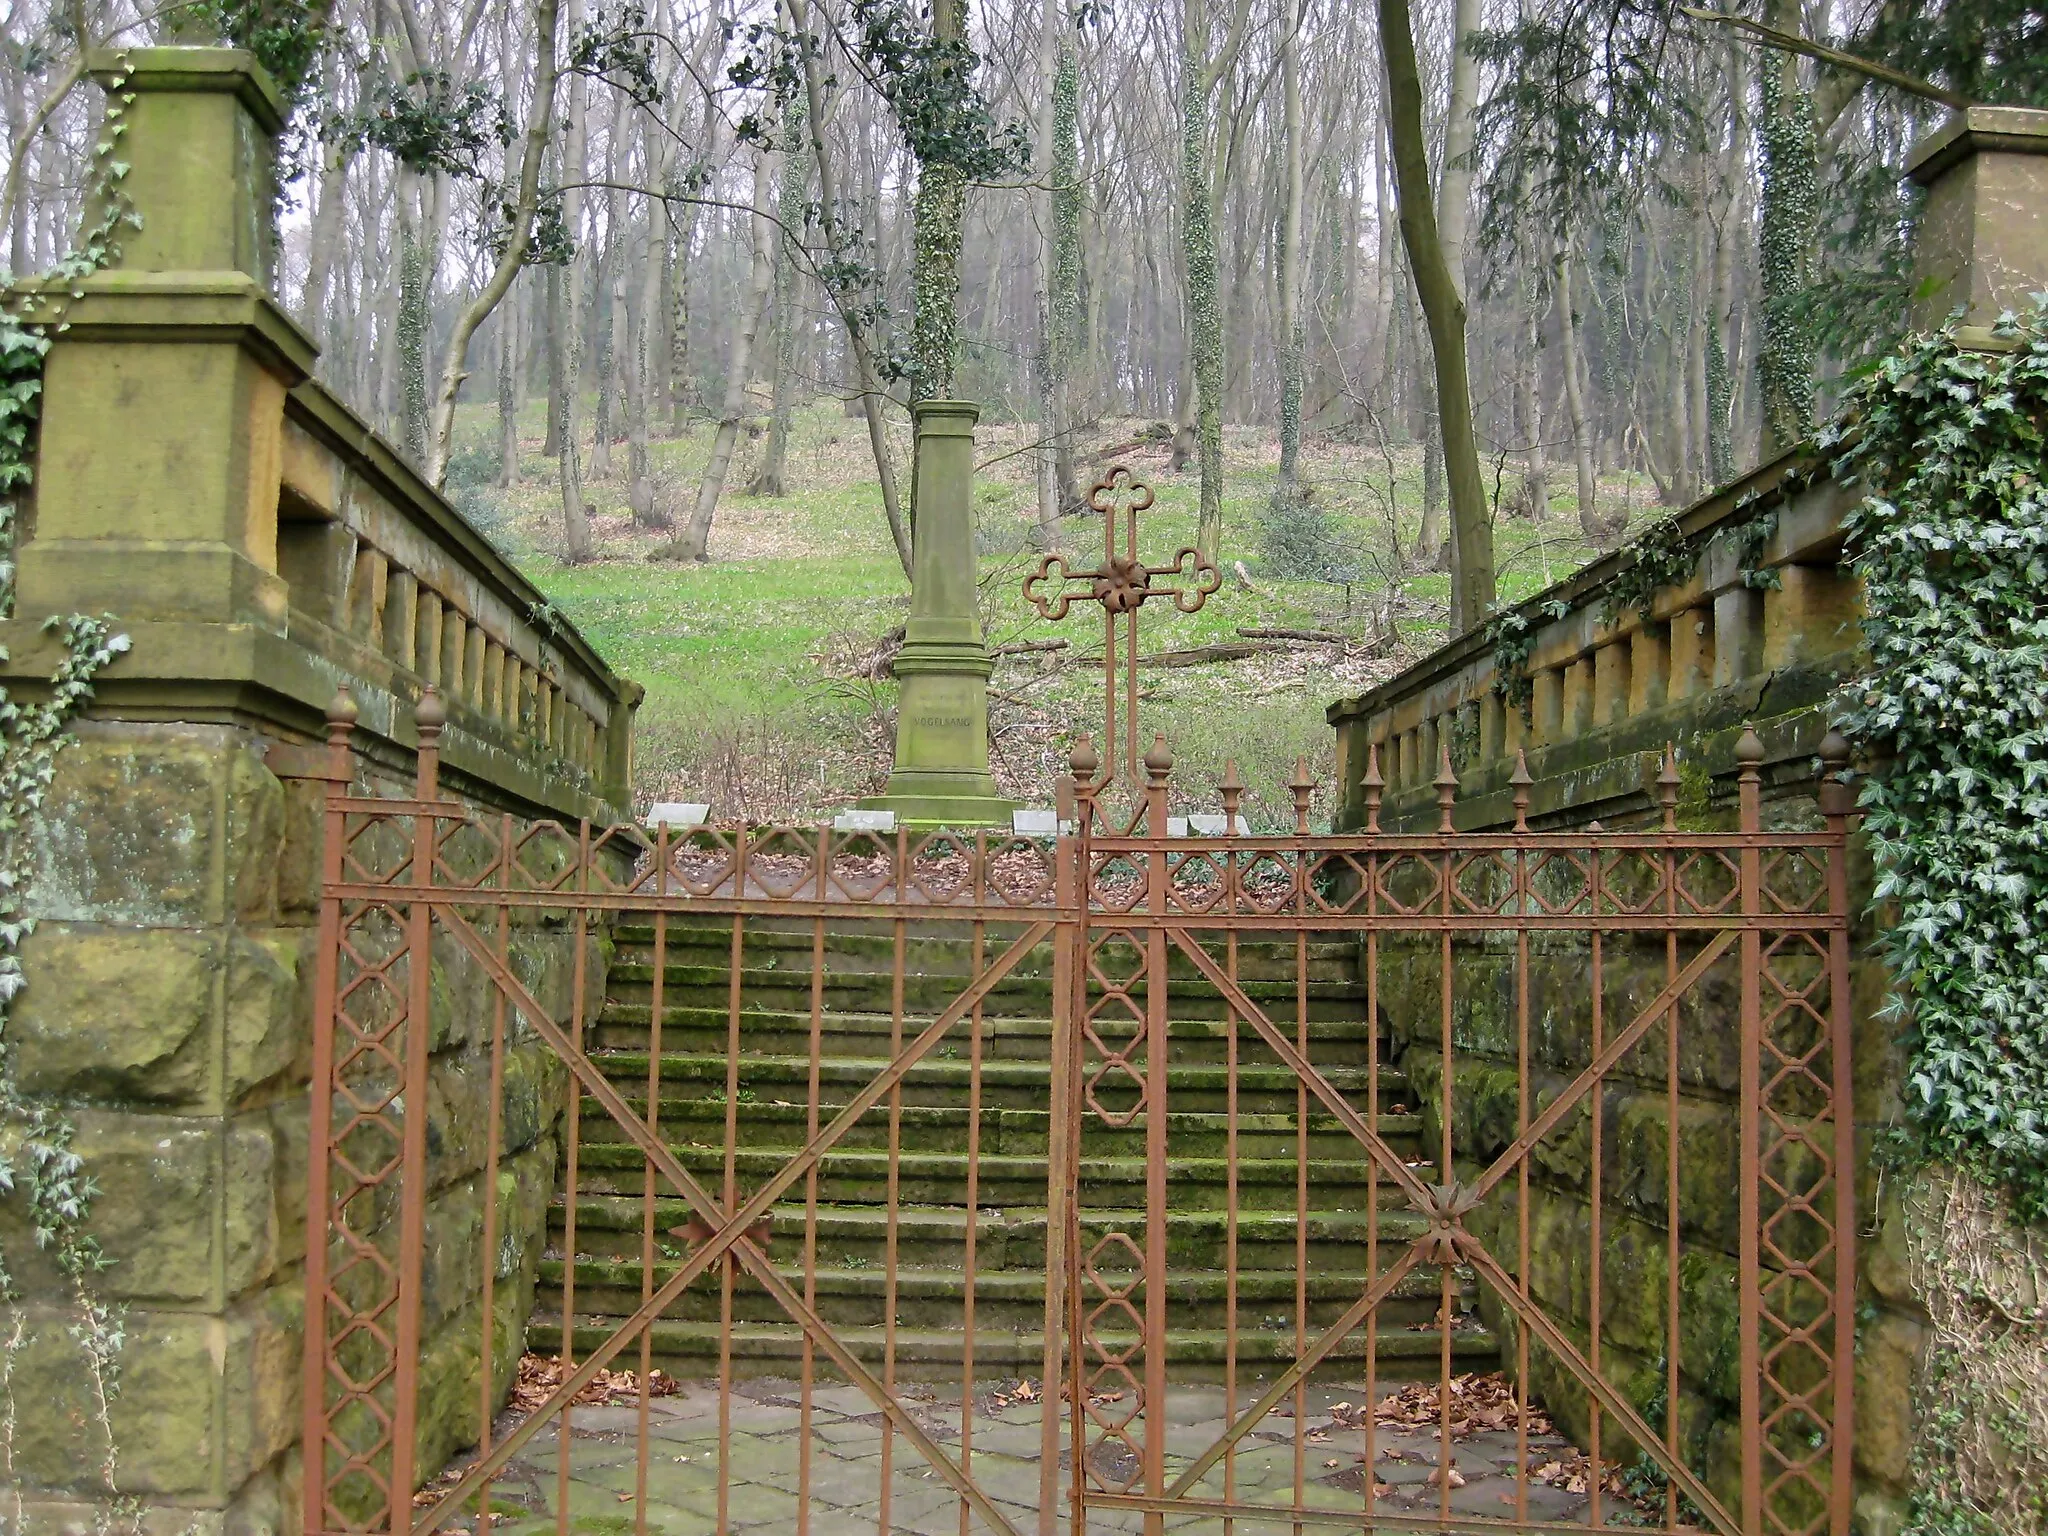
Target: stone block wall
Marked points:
167	1014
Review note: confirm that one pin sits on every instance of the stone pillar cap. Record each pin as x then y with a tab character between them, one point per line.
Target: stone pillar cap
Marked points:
230	70
946	417
1976	131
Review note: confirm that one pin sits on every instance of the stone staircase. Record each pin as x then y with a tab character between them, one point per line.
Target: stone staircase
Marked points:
931	1204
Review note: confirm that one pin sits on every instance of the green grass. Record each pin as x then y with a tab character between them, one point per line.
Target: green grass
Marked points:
745	658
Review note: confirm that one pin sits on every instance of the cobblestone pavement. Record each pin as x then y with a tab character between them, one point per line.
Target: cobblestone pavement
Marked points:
764	1477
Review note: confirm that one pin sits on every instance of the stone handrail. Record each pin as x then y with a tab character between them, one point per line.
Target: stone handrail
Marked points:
1766	609
256	539
383	569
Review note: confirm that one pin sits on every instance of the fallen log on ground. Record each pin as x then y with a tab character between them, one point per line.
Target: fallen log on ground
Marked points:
1306	636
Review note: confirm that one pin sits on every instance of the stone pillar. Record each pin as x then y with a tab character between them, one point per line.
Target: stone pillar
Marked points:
941	775
1611	682
1692	652
1983	239
1738	635
163	421
1649	667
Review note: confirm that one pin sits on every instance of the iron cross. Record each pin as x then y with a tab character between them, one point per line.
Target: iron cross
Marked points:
1123	584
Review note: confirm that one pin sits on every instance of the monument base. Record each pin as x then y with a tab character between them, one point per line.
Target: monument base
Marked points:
928	799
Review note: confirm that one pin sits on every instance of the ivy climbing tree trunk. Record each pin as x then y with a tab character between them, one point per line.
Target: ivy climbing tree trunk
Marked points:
414	280
1059	263
1789	228
1202	302
569	332
1444	312
938	215
1289	487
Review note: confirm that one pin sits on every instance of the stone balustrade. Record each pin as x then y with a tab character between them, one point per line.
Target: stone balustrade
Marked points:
256	539
1764	624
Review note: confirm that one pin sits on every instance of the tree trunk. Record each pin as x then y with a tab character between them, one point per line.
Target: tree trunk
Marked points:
508	396
1288	490
1575	397
837	243
558	382
695	540
1202	303
1454	183
415	280
539	127
1444	311
1535	455
606	296
569	332
796	191
1789	229
1059	270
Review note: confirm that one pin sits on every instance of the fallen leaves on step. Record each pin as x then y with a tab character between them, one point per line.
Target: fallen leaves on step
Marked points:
541	1376
1477	1402
1436	1476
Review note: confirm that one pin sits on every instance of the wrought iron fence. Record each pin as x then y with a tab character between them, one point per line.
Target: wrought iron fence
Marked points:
1014	1139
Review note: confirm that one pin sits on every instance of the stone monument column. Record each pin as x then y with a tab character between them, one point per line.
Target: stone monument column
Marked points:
941	775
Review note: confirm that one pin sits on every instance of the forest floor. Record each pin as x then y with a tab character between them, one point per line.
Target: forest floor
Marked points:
755	662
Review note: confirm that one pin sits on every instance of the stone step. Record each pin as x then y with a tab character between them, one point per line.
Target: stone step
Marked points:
1003	1299
625	1025
944	949
700	1121
941	1080
780	990
1012	1238
936	1354
862	1177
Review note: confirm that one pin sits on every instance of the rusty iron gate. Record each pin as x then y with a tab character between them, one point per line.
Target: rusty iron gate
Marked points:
1349	1078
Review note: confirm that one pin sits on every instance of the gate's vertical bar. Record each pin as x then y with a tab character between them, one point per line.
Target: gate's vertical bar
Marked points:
1158	770
1836	801
1059	1344
572	1139
1520	780
890	1230
735	980
1302	787
1668	783
493	1139
809	1368
428	718
1084	762
313	1505
1446	792
1749	753
976	961
1233	794
655	1004
1597	1097
1374	784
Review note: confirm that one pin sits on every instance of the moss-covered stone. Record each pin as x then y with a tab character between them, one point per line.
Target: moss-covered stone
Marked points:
204	1402
117	1014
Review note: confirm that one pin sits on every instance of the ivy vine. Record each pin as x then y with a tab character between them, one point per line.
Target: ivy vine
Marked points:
1951	542
37	1160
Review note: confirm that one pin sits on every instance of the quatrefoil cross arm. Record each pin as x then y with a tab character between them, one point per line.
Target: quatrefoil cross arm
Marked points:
1050	588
